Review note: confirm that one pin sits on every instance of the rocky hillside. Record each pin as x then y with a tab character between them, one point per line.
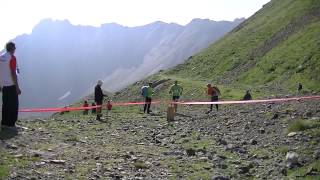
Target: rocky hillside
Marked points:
278	47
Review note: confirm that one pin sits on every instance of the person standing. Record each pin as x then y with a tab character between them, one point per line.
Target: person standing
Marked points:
93	110
143	93
176	91
214	93
247	96
10	86
148	99
299	87
98	98
85	111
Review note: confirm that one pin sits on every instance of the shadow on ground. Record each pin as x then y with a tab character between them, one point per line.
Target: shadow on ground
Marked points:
6	133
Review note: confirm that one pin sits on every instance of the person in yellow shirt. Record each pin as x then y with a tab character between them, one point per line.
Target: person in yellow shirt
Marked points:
148	98
176	91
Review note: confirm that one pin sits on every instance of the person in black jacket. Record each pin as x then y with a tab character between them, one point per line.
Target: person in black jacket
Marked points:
98	98
247	96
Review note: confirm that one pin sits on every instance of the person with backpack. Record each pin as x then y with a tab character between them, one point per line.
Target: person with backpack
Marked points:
176	91
148	98
10	87
98	98
143	93
214	93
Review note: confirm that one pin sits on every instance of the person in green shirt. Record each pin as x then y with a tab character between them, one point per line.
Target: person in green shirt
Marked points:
176	91
148	98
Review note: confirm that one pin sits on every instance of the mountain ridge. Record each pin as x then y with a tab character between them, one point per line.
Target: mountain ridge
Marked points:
72	58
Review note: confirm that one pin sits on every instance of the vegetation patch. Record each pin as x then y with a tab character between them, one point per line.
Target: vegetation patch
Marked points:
302	125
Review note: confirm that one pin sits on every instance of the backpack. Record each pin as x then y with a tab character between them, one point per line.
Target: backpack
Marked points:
144	90
216	89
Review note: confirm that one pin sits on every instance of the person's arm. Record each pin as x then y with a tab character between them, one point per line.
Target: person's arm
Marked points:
101	93
13	68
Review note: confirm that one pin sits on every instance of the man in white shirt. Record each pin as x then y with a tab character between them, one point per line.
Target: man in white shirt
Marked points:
9	85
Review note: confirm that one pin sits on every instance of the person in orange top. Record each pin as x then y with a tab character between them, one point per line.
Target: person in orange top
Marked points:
214	93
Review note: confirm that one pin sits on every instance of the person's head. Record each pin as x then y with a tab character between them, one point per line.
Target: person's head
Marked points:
86	102
10	47
176	82
100	82
208	85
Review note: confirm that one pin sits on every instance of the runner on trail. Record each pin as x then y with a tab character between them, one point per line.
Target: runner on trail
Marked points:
148	98
214	93
176	91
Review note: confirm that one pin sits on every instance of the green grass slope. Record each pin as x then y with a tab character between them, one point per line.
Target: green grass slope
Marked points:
279	45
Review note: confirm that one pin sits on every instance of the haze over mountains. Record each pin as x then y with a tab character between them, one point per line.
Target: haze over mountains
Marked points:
60	62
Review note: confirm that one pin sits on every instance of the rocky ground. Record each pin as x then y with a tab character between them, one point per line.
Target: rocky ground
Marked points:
262	141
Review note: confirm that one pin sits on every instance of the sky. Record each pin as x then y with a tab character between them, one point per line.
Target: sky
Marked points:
20	16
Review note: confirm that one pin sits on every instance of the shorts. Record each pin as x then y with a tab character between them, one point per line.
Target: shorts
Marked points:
214	98
175	98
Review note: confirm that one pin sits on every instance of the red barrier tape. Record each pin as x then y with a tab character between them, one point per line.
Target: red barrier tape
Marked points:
133	103
248	101
58	109
181	103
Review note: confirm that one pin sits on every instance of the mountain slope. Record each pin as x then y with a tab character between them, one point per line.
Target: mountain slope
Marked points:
278	46
61	62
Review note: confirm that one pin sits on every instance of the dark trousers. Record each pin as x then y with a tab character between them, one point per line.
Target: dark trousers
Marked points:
10	105
147	105
214	99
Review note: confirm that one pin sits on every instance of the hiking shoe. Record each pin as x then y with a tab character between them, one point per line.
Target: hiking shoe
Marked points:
10	128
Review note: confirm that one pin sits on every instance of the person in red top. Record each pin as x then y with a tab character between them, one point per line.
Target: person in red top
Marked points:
85	104
10	86
109	105
214	93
